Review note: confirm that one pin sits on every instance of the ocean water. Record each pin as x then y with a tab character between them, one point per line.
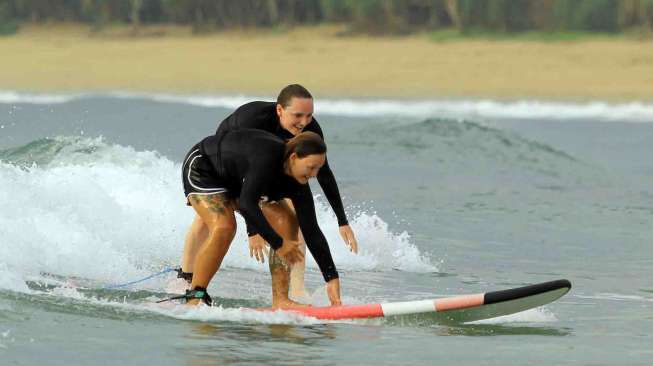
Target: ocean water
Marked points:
446	197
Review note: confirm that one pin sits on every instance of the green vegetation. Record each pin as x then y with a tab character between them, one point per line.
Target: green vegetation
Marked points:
558	18
8	25
452	35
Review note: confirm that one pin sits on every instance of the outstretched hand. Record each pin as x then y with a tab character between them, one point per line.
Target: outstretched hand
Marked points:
348	236
257	248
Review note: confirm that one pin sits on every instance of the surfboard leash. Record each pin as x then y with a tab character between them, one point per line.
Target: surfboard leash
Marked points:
196	293
121	285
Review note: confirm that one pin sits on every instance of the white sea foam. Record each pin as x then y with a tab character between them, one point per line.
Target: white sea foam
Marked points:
12	97
492	109
115	214
196	313
178	311
11	280
223	101
218	313
635	111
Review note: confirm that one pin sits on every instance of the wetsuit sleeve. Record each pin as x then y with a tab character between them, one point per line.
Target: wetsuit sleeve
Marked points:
327	181
251	231
316	243
249	207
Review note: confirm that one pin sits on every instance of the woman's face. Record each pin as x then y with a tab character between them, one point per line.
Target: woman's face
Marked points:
297	115
303	169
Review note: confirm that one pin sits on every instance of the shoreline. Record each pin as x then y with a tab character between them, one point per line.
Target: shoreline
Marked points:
65	59
596	110
40	96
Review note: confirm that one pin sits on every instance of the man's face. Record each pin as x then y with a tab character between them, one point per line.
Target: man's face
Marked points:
297	115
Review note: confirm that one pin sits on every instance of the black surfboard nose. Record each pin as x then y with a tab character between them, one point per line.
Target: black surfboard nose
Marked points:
515	293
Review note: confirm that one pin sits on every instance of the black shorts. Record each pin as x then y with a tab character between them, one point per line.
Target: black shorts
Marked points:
199	175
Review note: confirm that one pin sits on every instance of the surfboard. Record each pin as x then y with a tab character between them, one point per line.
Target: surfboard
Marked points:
463	308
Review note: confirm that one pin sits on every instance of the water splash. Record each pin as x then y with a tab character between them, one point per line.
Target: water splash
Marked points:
82	207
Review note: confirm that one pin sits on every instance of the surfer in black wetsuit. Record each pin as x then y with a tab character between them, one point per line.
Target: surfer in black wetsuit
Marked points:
234	171
290	115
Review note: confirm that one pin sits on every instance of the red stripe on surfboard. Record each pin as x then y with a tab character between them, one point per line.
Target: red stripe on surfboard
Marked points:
341	312
459	302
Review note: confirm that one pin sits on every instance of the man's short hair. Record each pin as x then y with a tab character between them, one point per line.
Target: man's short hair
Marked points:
292	91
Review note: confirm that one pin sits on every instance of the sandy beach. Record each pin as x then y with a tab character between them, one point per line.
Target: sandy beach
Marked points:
70	58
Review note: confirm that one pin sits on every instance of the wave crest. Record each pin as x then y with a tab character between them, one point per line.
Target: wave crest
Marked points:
639	112
82	207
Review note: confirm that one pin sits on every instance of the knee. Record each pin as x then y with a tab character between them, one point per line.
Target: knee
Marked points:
222	230
287	226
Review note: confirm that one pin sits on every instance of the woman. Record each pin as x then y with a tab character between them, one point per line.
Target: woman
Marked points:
235	171
291	114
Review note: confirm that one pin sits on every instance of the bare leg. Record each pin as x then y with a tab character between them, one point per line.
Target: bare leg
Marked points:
297	271
217	212
197	234
280	278
284	222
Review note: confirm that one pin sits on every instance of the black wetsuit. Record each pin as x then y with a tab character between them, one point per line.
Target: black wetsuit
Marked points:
263	116
249	164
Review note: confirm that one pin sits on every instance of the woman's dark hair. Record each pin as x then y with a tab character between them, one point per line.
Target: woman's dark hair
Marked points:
304	144
292	91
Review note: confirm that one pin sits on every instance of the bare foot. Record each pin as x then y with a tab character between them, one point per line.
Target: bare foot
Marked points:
288	304
194	301
302	297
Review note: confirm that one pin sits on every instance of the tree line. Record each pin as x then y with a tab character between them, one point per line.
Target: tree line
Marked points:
361	16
